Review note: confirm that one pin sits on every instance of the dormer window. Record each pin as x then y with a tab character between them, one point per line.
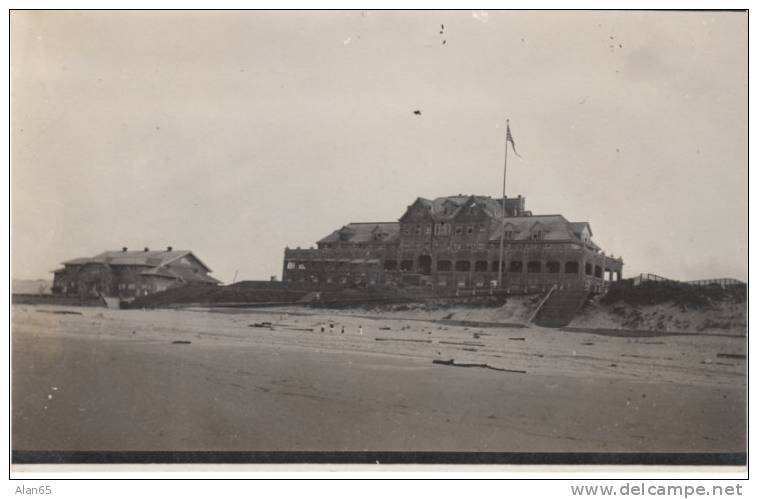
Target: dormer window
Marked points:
537	235
442	229
345	234
509	235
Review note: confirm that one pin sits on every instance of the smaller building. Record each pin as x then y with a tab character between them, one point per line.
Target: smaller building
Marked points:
127	274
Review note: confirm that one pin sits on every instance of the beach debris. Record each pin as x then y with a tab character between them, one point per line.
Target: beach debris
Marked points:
261	324
612	365
517	339
476	336
49	396
452	362
60	312
385	328
309	329
731	355
587	343
402	339
181	342
465	343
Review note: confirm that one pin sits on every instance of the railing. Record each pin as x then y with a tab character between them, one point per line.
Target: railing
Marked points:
700	282
649	277
541	303
720	282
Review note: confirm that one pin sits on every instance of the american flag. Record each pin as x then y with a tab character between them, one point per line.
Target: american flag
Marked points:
509	138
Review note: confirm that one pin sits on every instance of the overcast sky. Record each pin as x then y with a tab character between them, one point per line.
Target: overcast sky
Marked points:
235	134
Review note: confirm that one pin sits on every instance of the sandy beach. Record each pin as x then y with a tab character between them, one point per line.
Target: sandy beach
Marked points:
183	380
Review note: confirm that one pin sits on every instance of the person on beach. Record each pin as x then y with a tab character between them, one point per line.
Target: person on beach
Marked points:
360	330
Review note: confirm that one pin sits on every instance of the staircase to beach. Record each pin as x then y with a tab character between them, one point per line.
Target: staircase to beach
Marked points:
561	307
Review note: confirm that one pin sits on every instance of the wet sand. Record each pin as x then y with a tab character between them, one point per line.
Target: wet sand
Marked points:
114	380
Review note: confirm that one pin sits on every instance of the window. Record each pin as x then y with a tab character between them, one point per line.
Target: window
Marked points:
463	265
588	268
496	266
470	229
301	266
290	265
553	267
509	235
598	271
444	265
418	229
390	264
406	265
516	266
571	267
534	267
537	235
428	230
480	228
458	229
480	266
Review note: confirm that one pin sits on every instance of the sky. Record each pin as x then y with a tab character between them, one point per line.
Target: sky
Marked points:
236	134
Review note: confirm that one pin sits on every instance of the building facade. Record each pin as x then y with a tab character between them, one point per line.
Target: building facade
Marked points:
127	274
454	242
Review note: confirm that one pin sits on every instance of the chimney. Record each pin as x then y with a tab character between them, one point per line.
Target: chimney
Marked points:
123	250
147	249
169	248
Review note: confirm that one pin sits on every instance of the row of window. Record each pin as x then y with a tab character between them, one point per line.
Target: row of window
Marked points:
444	229
532	267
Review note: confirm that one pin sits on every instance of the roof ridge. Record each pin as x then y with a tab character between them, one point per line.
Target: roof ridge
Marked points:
370	223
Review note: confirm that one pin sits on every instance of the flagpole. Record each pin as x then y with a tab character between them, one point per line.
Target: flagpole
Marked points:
502	228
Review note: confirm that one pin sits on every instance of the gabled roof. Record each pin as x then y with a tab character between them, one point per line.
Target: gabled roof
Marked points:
137	258
185	274
578	227
364	232
554	228
493	207
156	263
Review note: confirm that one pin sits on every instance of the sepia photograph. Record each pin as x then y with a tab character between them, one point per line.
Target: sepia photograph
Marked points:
378	237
